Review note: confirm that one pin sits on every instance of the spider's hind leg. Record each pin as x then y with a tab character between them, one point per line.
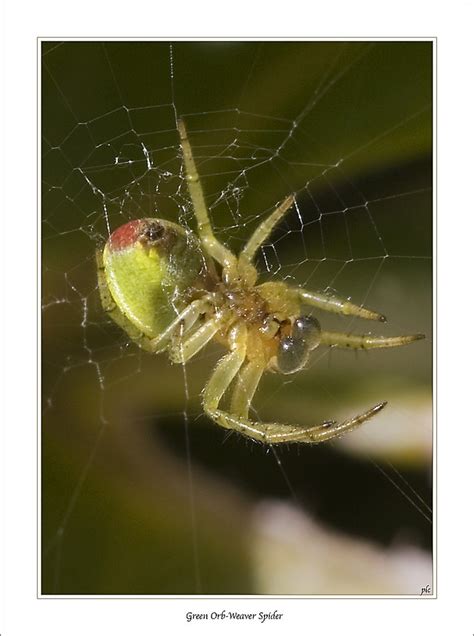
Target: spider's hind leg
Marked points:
226	369
277	433
246	383
245	386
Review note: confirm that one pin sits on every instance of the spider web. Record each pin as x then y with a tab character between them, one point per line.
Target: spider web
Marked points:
141	494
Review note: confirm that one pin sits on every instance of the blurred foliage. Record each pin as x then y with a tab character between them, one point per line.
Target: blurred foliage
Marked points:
139	496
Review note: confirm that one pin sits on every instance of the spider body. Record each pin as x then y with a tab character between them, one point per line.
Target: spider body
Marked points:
173	290
150	268
265	309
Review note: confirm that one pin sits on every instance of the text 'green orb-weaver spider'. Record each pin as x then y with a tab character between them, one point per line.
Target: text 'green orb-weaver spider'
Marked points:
170	289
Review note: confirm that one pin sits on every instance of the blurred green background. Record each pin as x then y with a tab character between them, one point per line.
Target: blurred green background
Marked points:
140	493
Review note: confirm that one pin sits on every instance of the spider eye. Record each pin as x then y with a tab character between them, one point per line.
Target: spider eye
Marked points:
154	231
292	355
308	329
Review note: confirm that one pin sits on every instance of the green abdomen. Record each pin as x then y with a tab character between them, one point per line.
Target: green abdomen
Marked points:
151	281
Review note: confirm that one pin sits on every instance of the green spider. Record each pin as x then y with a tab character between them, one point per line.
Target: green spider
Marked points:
169	289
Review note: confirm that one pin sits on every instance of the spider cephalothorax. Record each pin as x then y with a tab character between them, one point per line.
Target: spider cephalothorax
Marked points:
159	282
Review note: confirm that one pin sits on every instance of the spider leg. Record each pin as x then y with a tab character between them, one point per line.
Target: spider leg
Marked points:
184	348
187	318
214	247
365	341
245	387
263	231
226	369
276	433
328	301
247	381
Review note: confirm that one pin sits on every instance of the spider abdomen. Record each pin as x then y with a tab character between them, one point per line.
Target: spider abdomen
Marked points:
152	267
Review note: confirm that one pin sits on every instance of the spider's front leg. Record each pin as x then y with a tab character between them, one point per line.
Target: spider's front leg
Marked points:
327	301
246	383
366	341
336	304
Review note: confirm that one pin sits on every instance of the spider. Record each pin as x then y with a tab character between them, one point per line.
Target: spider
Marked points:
170	289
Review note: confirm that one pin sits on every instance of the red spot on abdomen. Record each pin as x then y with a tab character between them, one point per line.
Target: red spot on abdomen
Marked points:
126	235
